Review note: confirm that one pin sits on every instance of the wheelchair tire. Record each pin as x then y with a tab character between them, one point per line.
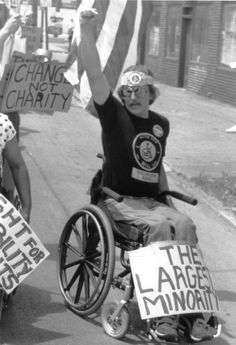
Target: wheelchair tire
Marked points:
86	260
118	327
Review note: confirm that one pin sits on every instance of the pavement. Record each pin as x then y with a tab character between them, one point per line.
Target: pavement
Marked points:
198	142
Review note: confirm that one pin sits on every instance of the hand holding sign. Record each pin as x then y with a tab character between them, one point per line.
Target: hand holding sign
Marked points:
13	24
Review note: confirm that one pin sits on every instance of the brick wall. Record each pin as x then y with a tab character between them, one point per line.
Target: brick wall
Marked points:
210	79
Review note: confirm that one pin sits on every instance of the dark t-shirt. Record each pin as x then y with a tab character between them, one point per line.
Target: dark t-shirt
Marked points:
133	147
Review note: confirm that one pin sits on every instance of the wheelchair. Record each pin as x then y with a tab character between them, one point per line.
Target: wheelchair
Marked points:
86	262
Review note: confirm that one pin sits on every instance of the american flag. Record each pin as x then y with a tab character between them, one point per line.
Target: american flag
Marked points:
120	34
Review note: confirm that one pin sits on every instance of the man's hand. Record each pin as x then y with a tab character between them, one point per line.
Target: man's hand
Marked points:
89	13
26	214
88	18
13	24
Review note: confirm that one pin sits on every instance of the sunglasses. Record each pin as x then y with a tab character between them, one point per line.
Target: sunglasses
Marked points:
127	91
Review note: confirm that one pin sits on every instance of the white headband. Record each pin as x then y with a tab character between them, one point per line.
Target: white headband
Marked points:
134	78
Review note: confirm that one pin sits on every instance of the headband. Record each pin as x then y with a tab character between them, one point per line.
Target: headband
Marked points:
134	78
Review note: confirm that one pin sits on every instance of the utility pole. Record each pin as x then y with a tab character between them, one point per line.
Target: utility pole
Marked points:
34	4
58	5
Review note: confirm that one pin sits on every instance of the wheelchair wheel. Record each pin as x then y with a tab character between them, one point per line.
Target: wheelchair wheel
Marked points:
117	326
86	260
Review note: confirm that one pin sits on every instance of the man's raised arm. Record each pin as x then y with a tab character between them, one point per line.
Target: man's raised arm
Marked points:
91	62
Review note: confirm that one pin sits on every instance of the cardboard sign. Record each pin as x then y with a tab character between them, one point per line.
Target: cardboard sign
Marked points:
21	251
171	278
37	86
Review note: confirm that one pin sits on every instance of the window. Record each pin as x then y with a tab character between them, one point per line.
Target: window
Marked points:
228	35
154	33
200	33
173	31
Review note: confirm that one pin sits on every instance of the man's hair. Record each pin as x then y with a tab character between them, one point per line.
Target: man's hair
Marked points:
154	92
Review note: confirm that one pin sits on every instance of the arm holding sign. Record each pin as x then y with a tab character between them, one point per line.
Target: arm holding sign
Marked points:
10	27
20	175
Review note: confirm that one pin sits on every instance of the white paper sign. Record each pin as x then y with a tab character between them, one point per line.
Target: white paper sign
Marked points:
20	249
171	278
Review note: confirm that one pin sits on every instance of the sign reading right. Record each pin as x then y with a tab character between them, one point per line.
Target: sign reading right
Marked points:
171	278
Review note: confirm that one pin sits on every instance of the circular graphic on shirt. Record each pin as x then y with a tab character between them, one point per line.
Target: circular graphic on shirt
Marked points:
147	151
158	131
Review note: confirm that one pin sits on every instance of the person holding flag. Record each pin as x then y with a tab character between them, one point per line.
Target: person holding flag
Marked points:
134	143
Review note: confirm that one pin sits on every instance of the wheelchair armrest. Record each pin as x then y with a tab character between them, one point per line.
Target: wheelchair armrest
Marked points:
109	192
180	196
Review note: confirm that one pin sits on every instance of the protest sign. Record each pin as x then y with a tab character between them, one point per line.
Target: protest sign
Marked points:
5	72
3	83
171	278
37	86
21	251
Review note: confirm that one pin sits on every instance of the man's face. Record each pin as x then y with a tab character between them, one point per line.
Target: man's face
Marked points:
136	99
28	19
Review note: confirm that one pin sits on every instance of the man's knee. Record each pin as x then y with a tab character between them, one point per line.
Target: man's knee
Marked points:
162	231
185	229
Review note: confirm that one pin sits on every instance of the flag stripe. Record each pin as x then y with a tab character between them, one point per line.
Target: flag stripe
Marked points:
121	44
147	11
131	58
110	30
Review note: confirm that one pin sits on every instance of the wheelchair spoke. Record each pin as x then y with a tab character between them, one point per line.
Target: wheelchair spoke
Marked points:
71	264
77	234
73	249
79	288
86	284
92	276
74	277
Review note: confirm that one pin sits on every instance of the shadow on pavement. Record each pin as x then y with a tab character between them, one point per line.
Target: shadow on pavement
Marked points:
26	131
32	304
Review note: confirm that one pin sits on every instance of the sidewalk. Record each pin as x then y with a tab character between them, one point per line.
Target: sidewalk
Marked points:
199	148
198	142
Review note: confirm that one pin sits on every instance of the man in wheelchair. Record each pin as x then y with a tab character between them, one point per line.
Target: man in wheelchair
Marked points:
134	143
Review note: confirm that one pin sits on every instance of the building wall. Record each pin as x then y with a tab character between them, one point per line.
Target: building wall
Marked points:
209	78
